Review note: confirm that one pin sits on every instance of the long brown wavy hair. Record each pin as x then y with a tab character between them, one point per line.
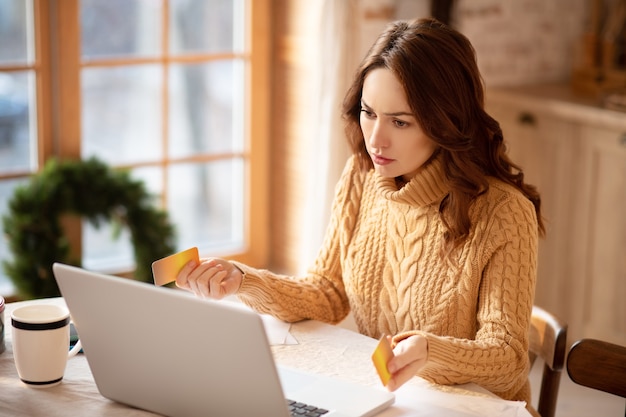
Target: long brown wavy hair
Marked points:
437	67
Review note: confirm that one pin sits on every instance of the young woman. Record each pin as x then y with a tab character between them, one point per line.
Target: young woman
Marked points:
433	234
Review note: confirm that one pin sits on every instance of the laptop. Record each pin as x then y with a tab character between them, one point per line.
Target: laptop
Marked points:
169	352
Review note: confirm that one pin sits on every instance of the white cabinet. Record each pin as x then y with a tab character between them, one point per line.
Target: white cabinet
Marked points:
602	220
575	153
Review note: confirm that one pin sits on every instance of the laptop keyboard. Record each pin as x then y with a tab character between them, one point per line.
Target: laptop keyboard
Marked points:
298	409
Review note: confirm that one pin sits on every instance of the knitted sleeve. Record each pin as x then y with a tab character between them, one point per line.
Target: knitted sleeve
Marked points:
497	358
320	295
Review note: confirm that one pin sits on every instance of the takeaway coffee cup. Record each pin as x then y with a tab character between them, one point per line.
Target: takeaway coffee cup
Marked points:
41	340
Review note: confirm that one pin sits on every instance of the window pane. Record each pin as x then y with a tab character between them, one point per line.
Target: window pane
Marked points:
205	202
18	144
206	108
201	26
121	109
15	19
108	248
6	193
120	28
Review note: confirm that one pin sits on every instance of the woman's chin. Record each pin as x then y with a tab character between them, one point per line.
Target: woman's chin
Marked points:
385	171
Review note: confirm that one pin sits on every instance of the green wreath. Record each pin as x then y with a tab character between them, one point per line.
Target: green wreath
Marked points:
93	191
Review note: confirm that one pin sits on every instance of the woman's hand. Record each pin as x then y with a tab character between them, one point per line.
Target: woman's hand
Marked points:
211	278
410	355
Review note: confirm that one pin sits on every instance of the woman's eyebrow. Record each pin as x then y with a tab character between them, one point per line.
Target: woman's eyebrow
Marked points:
392	114
399	113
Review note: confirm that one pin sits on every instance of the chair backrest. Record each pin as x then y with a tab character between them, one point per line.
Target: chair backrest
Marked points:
548	341
599	365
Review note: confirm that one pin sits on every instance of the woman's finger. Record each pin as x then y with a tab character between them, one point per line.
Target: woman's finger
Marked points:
183	276
410	355
216	288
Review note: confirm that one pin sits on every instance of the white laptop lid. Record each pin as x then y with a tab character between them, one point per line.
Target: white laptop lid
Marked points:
172	353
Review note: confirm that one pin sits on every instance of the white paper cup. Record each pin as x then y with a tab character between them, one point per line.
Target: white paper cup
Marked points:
41	340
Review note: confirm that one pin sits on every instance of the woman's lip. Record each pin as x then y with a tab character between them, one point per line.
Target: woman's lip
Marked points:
381	160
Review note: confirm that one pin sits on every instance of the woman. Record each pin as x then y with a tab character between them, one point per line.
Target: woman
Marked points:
433	234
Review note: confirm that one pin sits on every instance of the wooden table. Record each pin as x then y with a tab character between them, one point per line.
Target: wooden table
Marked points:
320	348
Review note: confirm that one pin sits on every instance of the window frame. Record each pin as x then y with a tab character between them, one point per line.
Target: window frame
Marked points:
57	65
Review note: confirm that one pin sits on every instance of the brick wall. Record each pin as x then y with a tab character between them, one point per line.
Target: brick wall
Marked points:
523	41
516	41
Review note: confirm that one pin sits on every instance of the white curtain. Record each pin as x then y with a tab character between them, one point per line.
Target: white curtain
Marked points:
336	62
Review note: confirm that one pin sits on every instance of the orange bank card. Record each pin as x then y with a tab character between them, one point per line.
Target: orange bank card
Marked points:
164	271
381	356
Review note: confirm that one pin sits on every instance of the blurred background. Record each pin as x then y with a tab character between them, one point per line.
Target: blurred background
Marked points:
229	112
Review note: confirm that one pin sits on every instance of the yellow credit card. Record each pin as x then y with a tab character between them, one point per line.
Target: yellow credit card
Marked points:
165	270
381	356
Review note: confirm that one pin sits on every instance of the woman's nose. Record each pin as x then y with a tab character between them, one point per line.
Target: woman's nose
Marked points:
377	137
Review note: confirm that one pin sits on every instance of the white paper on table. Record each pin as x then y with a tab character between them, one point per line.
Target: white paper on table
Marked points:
278	331
417	395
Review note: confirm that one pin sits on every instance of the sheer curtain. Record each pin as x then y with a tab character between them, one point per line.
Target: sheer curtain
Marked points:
336	62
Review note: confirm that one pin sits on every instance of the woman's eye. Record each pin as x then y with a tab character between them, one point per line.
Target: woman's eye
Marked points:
367	113
400	123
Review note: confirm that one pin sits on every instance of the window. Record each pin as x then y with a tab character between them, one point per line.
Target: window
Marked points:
173	90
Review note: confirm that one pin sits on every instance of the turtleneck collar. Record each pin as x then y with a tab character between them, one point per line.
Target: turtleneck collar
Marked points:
428	186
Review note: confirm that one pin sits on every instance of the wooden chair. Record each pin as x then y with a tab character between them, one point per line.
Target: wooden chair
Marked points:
599	365
547	341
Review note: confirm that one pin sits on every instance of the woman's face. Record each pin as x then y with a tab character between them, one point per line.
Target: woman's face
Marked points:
395	141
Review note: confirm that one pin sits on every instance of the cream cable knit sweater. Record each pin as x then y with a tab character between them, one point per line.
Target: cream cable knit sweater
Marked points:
380	259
